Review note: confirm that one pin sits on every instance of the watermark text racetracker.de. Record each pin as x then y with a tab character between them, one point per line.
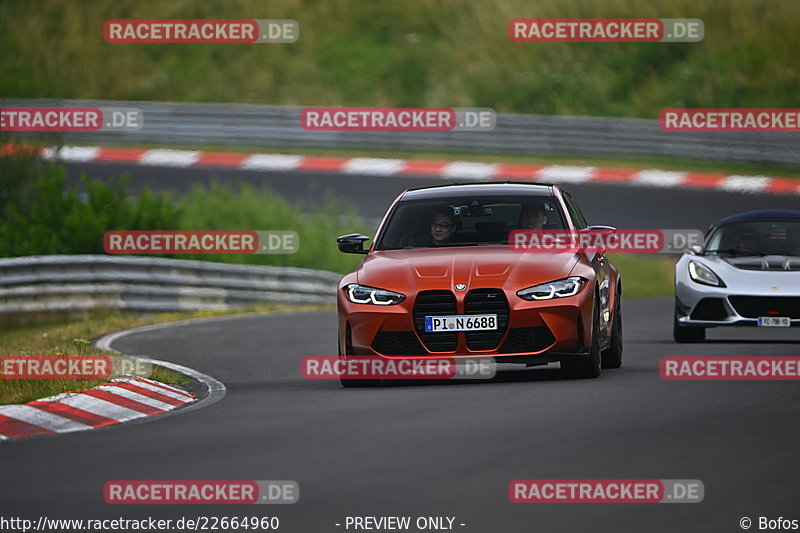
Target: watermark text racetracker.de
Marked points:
736	368
397	119
609	240
606	491
71	119
727	120
201	492
370	367
71	367
201	242
606	30
186	31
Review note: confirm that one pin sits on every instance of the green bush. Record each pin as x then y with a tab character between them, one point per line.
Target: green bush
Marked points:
249	208
40	215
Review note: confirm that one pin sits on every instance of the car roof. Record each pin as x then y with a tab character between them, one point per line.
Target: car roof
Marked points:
762	214
457	190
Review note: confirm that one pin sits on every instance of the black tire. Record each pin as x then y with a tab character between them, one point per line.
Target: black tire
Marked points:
686	334
356	383
612	356
586	367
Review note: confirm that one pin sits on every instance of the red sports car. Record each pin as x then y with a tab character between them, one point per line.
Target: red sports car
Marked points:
441	255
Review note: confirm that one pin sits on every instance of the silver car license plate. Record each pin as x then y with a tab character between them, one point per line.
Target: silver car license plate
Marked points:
774	321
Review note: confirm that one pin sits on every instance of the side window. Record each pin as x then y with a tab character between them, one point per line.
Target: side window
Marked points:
574	213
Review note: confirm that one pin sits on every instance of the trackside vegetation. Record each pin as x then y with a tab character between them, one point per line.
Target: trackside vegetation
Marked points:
453	53
41	214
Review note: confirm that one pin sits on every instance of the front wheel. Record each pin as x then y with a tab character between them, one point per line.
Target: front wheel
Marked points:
587	367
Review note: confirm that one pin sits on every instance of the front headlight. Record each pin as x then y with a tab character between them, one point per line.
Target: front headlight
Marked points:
555	289
702	274
360	294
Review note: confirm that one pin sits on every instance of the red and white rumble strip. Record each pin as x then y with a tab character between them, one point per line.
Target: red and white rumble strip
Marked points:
461	170
120	400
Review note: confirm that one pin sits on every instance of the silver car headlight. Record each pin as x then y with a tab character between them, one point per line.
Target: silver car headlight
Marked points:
555	289
361	294
702	274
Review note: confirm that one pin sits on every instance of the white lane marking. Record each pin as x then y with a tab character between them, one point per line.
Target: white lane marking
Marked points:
99	407
40	418
745	183
169	158
468	170
659	178
135	396
155	388
72	153
565	174
373	166
271	162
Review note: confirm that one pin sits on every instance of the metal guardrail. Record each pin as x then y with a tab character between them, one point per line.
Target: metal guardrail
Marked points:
82	282
279	127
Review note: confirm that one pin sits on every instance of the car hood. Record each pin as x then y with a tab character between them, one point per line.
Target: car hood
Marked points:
475	267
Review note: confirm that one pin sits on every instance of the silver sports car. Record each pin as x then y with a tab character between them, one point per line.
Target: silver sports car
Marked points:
747	273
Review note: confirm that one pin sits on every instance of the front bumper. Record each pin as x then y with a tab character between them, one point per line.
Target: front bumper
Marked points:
534	332
711	307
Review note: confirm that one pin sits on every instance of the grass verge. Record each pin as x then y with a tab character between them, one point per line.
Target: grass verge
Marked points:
645	276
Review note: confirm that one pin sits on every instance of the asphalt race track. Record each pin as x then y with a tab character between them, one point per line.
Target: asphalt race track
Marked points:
445	449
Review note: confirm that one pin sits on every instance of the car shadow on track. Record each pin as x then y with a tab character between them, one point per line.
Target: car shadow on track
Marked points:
502	376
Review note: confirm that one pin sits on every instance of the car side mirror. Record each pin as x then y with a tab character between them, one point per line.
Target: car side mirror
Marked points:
601	230
352	243
696	249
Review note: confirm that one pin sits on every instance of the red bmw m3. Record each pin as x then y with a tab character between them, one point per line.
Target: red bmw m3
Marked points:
441	280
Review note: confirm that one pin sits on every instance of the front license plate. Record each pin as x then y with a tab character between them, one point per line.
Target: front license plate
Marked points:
460	323
774	321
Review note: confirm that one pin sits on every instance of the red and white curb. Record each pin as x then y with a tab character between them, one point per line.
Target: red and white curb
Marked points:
120	400
123	399
461	170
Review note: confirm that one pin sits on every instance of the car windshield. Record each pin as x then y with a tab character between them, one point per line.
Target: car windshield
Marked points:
756	238
467	221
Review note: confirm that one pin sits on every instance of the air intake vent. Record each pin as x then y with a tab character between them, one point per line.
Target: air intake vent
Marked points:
397	343
709	309
756	306
525	340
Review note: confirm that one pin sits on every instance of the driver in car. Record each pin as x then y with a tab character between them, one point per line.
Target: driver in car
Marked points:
444	225
532	216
